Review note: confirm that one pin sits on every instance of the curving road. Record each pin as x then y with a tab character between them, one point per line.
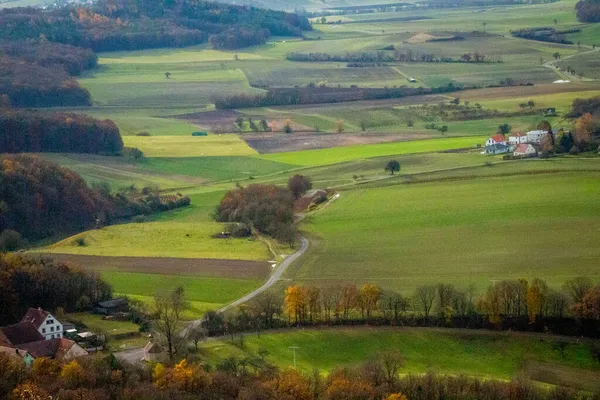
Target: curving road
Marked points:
289	260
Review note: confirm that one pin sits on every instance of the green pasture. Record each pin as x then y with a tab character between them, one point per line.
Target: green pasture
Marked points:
190	146
95	323
348	153
473	231
203	293
162	239
474	353
586	63
216	168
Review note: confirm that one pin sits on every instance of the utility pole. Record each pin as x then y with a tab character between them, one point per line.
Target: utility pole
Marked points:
294	349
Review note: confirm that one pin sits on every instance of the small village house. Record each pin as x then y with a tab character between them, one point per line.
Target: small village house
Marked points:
154	352
496	139
58	349
497	148
18	354
44	322
525	149
517	138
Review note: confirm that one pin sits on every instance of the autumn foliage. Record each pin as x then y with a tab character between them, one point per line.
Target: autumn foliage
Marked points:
30	131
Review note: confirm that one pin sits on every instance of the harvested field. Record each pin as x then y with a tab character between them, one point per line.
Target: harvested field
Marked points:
169	266
210	119
523	91
276	143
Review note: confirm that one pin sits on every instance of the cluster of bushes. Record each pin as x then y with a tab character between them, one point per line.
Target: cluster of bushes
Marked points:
39	282
31	131
266	208
40	199
588	10
509	304
318	95
254	377
238	37
585	106
545	34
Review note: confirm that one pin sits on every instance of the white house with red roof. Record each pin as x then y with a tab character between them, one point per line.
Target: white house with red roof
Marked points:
517	138
48	326
525	149
496	139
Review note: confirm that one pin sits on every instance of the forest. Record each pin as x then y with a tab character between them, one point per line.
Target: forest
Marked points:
41	199
39	282
32	131
588	10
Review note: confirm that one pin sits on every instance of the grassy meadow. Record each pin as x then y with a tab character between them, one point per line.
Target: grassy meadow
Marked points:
482	354
464	232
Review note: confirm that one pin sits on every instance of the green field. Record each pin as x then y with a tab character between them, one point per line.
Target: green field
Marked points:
348	153
203	293
462	232
475	353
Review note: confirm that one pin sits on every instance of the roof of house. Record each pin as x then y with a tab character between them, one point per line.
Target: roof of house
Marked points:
537	132
36	316
153	347
497	146
498	138
113	303
518	134
12	351
23	332
52	348
522	148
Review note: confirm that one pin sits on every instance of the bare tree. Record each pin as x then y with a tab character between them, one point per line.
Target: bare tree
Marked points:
424	298
167	309
196	335
577	287
391	361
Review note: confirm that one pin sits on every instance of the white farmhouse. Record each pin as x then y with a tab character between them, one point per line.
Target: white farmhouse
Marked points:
536	136
525	150
48	326
496	139
517	138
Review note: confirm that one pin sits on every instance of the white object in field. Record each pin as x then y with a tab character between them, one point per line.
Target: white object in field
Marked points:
562	81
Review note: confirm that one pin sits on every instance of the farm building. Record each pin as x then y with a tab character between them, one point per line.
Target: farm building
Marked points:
112	306
153	352
497	148
525	150
536	136
59	349
496	139
517	138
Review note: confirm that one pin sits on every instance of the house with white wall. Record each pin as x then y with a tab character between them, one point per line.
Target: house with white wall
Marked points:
48	326
525	149
496	139
536	137
517	138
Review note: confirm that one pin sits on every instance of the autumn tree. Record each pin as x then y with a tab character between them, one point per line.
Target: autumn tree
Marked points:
296	303
392	166
391	361
589	307
339	126
299	185
368	299
536	299
72	374
168	307
290	385
584	127
348	299
577	287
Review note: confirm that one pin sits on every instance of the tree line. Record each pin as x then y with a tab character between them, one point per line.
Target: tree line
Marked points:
40	199
545	34
509	304
381	56
31	131
322	95
41	282
253	378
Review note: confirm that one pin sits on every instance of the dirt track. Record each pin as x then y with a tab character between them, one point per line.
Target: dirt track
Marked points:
170	266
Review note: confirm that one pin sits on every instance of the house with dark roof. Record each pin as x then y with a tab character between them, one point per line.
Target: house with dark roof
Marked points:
17	353
497	148
113	306
44	322
17	334
58	349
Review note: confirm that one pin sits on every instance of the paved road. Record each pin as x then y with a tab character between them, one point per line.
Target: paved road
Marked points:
133	355
289	260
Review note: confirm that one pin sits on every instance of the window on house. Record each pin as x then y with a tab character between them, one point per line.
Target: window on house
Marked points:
51	329
43	330
49	322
